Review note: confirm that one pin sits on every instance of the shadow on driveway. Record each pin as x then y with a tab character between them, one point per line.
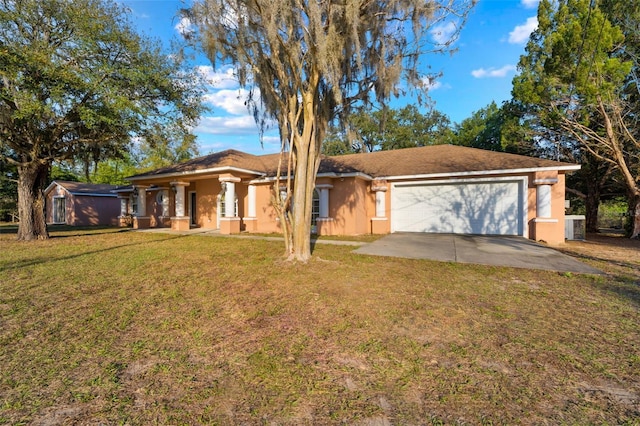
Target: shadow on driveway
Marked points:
515	252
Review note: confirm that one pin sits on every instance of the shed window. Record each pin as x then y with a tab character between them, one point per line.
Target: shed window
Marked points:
59	210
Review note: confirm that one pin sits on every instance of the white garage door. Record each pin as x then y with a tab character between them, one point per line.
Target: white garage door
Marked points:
485	208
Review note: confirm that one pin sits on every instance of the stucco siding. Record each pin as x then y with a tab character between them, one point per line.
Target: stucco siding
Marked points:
348	206
83	210
206	202
88	210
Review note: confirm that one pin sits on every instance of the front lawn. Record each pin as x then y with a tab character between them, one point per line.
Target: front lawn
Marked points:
108	327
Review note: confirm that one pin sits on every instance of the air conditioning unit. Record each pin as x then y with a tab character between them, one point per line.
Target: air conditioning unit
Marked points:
575	227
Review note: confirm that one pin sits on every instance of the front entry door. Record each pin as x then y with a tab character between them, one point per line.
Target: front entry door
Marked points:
192	208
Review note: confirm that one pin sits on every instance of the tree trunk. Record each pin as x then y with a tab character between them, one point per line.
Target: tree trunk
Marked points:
592	204
306	148
634	210
32	181
303	185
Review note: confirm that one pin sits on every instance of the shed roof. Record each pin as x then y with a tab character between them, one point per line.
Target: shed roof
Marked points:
81	188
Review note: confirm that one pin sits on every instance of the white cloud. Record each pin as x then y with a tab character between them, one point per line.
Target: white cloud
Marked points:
271	140
493	72
231	101
232	125
184	26
431	83
521	33
530	4
222	78
442	33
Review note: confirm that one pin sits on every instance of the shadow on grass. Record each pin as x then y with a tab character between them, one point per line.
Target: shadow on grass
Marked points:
80	230
583	256
621	286
86	231
624	283
44	260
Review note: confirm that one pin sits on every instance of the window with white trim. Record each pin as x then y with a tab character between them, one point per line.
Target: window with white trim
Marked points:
315	211
163	200
133	204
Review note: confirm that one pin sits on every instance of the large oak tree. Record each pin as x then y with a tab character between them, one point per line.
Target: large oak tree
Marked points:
313	61
76	79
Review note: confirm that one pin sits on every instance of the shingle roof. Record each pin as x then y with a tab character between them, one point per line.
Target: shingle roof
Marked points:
80	188
441	159
437	159
229	158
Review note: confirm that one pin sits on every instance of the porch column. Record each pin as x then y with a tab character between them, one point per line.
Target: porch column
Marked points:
545	226
251	220
123	205
141	220
230	223
230	199
124	210
380	223
180	222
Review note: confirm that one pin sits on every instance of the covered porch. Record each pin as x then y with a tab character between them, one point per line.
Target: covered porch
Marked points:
225	202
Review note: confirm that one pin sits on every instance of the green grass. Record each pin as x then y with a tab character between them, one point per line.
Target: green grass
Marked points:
108	327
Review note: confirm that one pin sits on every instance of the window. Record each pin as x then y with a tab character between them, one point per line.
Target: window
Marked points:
59	210
315	211
222	203
163	200
133	203
222	209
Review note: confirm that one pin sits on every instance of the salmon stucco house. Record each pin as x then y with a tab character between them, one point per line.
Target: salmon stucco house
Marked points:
439	189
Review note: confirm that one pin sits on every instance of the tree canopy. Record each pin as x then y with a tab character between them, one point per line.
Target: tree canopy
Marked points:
579	79
389	128
313	62
76	81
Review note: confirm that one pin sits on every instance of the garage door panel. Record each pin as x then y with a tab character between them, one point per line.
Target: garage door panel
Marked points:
490	208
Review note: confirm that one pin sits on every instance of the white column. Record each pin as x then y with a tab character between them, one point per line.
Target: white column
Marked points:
180	198
251	210
123	206
379	186
543	201
229	182
230	199
142	200
381	206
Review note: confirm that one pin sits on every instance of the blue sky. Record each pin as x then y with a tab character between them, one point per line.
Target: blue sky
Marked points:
479	72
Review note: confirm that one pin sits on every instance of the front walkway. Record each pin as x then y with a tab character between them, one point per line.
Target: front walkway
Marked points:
216	233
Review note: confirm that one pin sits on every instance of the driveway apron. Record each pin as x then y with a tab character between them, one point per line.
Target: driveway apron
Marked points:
516	252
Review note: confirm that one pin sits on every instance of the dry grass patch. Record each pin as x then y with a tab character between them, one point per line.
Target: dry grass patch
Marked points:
138	328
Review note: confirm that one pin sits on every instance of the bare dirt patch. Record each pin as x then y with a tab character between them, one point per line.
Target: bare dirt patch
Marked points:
607	247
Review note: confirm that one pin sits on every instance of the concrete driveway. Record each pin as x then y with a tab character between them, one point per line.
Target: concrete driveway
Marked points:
514	252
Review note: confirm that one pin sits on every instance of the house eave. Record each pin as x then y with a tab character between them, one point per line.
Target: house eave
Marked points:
213	170
571	167
334	175
90	194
